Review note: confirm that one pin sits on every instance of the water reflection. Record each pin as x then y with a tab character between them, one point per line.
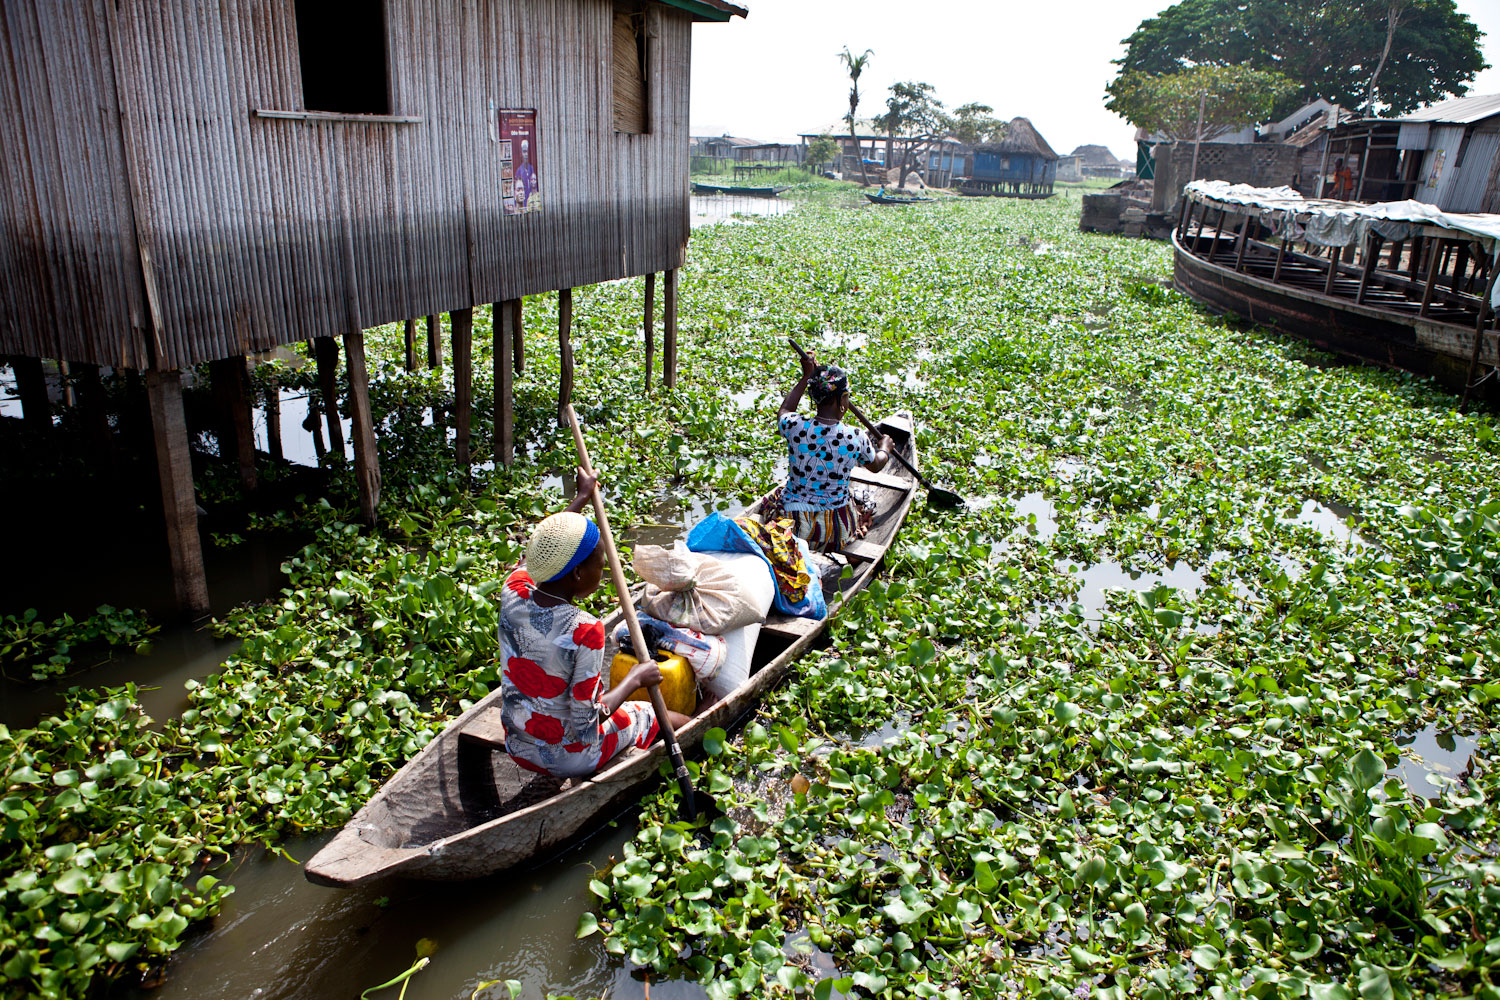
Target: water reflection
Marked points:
709	209
1433	757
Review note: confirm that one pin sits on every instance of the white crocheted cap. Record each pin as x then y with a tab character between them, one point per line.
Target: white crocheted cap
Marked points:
555	544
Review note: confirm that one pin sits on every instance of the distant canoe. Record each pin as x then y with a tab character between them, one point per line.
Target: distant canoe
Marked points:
746	192
886	199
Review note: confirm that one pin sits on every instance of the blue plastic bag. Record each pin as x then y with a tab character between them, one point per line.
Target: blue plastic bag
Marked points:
719	533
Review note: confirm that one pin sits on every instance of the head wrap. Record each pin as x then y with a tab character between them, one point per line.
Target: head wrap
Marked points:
827	382
558	544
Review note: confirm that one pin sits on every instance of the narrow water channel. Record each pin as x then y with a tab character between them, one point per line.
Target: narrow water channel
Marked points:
281	938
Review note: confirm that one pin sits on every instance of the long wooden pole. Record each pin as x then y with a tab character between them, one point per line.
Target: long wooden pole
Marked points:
504	340
462	327
627	607
650	324
564	353
1484	305
174	468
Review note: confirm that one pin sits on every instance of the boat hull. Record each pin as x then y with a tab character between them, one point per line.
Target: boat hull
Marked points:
425	824
1359	332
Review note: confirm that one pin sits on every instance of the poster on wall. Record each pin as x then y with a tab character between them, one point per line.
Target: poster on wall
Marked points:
520	184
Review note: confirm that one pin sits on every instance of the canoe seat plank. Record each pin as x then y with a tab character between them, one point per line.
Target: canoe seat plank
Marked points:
881	479
864	550
793	628
485	730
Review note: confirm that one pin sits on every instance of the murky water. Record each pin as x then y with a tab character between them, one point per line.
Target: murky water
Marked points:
709	209
281	938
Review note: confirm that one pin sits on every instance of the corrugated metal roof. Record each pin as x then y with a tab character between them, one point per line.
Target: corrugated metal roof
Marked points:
1459	111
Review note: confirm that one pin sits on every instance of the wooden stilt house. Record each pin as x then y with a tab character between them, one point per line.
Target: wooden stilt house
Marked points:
1021	165
183	183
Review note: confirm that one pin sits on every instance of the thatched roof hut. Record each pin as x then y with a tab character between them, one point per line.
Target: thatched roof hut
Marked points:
1021	139
1021	165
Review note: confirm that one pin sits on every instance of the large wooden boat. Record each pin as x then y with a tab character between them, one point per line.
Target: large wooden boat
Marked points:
462	809
1415	299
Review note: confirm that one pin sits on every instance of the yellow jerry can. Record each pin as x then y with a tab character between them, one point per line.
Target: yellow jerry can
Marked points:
679	687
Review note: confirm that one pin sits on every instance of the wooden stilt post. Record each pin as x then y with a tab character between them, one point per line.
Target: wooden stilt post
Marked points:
564	354
31	384
1239	259
1372	257
669	331
273	423
314	426
650	325
506	314
518	342
434	341
327	351
411	345
1484	305
65	382
1460	265
1417	245
174	466
94	409
1333	270
1435	257
463	382
231	384
366	460
1280	257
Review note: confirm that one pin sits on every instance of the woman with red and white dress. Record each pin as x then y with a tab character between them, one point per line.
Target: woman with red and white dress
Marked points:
558	718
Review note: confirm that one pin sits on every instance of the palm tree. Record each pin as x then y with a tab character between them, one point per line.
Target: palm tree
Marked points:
856	65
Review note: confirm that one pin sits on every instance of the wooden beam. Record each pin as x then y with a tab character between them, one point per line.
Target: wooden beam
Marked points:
1280	258
366	459
411	345
1372	257
650	325
564	354
1484	304
273	423
326	350
506	315
31	385
1435	257
669	331
434	341
93	407
463	381
174	466
518	344
231	389
1239	259
65	382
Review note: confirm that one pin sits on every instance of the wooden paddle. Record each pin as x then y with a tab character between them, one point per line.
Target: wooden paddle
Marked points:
627	607
936	495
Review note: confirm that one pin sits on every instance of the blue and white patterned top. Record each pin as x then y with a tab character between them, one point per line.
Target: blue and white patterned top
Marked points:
820	457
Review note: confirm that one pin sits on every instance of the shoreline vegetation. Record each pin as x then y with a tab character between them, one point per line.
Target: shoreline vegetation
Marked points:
1122	728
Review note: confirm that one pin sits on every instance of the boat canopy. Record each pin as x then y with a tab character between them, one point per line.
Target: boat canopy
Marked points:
1328	223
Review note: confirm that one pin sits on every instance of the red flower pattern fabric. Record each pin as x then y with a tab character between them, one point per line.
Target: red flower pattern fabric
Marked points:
552	687
589	636
531	680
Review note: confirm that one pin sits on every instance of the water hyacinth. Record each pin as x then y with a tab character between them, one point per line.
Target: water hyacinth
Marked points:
1122	727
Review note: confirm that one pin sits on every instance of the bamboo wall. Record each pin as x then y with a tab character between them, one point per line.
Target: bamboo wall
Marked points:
132	136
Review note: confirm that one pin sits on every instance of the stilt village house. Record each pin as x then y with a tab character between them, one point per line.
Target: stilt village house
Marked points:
183	183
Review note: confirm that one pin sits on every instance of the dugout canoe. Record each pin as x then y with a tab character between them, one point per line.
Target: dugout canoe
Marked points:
462	809
886	199
748	192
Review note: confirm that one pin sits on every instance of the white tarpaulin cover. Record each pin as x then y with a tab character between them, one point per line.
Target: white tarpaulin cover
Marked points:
1328	223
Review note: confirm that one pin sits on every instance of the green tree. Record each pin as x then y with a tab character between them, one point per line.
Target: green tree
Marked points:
822	150
974	123
856	66
1232	97
1327	48
914	120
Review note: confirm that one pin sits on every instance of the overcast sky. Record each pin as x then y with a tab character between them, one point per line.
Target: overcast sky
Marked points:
775	73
